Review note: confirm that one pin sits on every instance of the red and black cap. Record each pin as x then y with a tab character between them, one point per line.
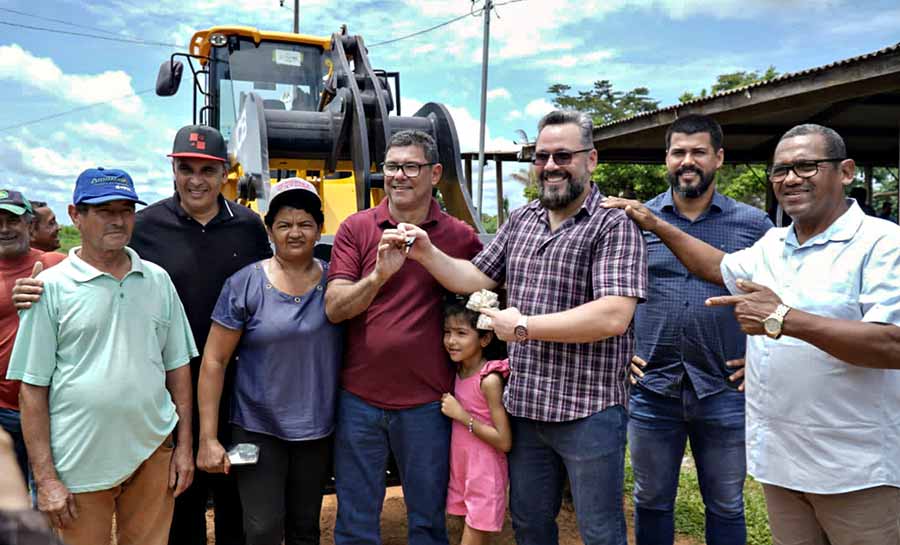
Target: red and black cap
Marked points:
200	142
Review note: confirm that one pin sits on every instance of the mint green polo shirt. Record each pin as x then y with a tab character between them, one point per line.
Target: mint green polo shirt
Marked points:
103	346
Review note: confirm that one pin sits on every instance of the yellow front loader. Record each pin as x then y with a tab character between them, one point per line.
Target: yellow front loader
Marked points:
298	105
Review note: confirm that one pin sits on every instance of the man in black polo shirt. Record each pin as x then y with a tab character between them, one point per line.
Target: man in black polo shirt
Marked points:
200	239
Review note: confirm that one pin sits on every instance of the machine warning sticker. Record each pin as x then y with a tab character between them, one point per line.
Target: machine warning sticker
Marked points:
287	57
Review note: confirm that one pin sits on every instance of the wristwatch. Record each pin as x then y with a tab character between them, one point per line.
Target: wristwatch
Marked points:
775	321
521	330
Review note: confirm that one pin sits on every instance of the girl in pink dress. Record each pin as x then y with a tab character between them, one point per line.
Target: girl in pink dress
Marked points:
481	433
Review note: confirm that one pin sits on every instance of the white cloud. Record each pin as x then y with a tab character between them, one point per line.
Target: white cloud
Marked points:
583	61
42	73
513	115
736	9
99	130
851	23
45	162
600	55
538	107
467	128
423	49
500	92
538	27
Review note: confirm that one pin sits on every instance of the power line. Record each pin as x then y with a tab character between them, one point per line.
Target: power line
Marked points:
95	36
51	19
73	110
423	31
440	25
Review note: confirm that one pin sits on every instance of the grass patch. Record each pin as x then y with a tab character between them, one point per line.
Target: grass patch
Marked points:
690	517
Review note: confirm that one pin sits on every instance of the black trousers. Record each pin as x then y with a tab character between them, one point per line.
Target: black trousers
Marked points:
282	493
189	519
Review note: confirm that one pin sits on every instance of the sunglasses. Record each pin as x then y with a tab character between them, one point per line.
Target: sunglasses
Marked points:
561	158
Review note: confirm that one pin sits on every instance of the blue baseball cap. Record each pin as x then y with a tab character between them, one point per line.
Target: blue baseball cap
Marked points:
99	185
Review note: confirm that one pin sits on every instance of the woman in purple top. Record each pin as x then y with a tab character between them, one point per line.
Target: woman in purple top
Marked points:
271	317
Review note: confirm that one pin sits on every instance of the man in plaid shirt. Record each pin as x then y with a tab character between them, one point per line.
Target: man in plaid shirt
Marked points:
574	273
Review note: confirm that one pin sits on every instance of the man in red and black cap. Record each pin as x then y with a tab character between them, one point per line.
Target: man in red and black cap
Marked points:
200	239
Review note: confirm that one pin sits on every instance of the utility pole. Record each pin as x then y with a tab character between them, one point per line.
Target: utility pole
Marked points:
296	14
488	6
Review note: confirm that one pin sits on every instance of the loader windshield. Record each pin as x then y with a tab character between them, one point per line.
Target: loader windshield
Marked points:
288	76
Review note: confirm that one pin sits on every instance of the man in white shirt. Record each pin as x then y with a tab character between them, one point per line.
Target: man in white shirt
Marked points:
821	302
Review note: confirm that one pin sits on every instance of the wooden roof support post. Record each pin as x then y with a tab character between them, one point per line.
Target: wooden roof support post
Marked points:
867	177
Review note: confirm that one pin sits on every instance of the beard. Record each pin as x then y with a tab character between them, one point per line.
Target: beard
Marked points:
557	199
690	192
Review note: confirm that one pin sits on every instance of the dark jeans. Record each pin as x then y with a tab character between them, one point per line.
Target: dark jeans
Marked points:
592	451
658	428
189	519
420	441
282	493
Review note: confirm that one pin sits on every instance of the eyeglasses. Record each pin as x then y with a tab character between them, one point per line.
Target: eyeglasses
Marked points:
409	169
561	158
806	168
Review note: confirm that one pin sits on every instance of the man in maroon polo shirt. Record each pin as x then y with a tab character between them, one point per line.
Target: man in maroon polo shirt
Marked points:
395	368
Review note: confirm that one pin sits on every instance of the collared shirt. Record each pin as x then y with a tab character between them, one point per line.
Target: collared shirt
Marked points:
595	253
394	356
103	346
675	332
815	423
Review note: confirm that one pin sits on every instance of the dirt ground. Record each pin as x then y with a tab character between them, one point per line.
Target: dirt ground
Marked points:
393	524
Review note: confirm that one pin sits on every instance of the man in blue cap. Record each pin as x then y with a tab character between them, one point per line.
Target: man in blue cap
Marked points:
105	385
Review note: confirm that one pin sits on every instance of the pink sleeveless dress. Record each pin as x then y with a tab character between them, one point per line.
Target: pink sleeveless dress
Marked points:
478	471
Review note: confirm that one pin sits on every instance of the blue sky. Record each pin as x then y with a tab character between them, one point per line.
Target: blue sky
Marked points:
669	46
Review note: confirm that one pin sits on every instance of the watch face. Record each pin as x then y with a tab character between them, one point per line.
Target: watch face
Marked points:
521	332
772	326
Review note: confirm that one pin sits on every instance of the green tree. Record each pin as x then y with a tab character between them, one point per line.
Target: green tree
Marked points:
602	103
732	80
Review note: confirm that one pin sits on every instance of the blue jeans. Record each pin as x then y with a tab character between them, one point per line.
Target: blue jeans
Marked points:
592	451
658	428
419	438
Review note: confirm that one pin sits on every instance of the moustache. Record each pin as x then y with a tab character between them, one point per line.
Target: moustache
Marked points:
683	170
546	174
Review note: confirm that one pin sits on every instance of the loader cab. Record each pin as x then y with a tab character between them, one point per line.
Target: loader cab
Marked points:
287	70
300	105
288	76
